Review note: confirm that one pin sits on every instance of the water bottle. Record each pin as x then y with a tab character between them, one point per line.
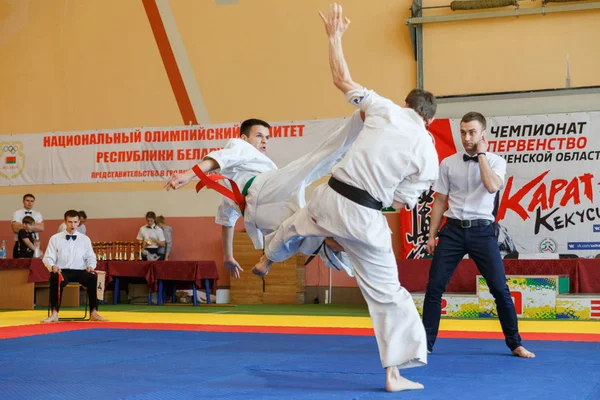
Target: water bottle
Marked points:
3	249
37	253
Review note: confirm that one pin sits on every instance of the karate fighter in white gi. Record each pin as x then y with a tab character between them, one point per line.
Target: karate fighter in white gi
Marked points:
273	194
392	162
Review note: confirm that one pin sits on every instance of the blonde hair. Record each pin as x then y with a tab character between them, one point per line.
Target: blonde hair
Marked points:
160	220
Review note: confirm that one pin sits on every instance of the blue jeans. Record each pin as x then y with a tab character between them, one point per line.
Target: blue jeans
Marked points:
481	243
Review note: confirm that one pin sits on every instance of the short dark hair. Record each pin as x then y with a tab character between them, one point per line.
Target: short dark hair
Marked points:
150	214
249	123
71	213
28	195
82	214
28	220
474	116
423	102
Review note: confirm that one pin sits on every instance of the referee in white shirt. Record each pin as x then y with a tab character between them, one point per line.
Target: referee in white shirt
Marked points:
70	254
468	182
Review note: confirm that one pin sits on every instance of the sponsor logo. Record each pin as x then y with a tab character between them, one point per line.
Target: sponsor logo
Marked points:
547	246
12	159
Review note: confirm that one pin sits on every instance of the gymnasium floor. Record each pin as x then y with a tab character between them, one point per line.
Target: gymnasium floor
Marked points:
280	352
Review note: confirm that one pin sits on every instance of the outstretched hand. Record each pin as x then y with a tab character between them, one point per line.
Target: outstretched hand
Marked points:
335	23
233	267
176	181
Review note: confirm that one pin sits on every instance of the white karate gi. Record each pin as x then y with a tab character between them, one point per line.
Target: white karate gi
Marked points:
276	194
394	158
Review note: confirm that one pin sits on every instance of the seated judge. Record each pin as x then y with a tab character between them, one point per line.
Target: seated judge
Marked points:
70	258
152	238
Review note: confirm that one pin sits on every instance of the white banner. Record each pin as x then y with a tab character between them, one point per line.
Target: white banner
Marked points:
138	154
548	204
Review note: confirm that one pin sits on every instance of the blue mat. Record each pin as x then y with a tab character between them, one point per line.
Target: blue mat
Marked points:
137	364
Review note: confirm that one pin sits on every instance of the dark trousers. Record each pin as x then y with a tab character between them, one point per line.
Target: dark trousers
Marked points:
87	279
481	243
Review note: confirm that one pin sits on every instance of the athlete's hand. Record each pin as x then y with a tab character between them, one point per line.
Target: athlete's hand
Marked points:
177	181
232	267
335	23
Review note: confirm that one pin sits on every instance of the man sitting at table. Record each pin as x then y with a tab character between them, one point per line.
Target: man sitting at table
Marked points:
70	257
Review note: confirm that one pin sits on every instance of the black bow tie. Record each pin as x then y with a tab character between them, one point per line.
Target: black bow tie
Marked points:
74	237
150	227
468	158
28	212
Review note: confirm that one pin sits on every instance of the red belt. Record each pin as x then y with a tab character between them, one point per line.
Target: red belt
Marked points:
60	280
210	181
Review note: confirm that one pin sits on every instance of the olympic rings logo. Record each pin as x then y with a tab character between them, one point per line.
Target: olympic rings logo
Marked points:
11	149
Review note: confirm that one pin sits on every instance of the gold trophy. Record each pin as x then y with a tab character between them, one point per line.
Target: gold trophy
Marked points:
120	255
124	251
104	244
110	248
140	249
132	248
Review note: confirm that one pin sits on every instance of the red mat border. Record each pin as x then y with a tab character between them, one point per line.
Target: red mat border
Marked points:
44	329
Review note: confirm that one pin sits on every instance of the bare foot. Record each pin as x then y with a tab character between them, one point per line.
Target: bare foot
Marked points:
94	316
52	318
262	267
394	382
333	244
523	352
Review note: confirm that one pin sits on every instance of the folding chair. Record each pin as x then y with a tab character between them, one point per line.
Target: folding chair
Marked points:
86	316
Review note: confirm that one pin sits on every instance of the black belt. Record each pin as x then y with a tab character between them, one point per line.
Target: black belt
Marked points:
355	194
469	223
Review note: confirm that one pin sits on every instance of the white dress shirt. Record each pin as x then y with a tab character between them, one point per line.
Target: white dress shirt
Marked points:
238	161
20	214
154	232
468	199
70	254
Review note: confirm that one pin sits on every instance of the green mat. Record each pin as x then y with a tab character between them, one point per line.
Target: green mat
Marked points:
264	309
